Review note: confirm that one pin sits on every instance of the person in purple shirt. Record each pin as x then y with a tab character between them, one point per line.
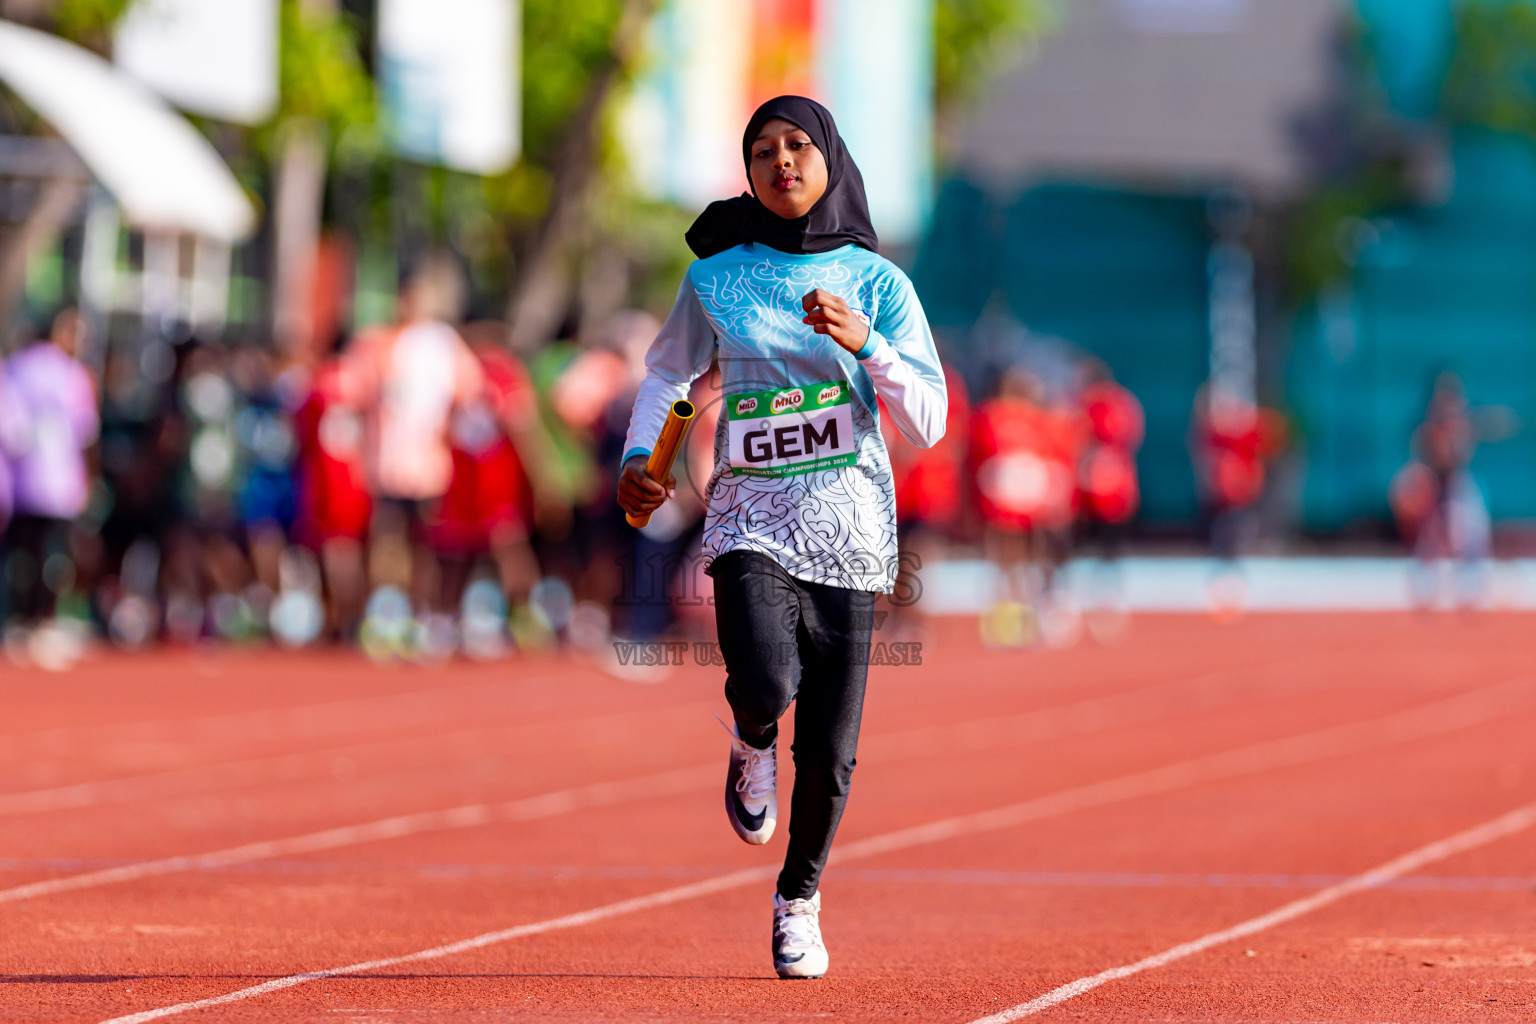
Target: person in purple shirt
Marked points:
50	480
13	427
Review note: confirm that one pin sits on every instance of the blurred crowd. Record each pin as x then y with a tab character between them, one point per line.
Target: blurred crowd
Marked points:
420	490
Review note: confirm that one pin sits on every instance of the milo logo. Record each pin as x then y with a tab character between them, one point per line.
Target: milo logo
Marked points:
829	393
746	405
787	400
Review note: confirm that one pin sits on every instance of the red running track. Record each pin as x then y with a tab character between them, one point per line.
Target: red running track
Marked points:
186	827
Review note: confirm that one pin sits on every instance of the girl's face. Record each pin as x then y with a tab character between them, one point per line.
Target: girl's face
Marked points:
789	174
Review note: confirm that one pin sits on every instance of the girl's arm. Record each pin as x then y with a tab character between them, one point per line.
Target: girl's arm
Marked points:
680	353
900	358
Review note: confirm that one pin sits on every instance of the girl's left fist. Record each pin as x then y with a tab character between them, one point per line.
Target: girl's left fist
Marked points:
828	314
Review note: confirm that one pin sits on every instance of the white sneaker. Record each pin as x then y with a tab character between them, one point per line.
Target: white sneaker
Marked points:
752	790
798	951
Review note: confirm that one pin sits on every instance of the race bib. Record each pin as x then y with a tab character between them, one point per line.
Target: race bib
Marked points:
790	431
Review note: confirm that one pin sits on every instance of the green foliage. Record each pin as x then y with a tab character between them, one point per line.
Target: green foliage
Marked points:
649	233
1320	242
320	73
89	22
973	37
1491	81
563	40
1370	176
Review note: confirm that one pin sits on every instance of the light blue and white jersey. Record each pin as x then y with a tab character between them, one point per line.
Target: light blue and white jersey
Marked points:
801	472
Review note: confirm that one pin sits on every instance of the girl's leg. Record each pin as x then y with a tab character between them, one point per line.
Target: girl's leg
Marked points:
757	610
833	640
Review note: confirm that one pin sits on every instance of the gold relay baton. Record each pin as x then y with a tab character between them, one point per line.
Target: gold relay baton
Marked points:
659	466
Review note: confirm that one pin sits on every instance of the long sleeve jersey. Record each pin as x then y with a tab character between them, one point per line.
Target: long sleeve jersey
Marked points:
801	472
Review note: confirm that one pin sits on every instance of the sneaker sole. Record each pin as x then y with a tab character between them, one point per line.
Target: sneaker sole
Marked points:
789	972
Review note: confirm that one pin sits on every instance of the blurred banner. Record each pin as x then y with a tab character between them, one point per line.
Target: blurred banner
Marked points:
875	66
217	59
682	125
451	81
712	61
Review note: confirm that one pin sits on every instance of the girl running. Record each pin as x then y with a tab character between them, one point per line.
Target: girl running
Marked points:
810	327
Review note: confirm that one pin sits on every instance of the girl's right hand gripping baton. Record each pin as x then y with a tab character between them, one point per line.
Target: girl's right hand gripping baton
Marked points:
659	465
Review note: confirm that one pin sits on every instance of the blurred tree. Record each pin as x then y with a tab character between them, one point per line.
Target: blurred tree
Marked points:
325	94
578	53
1378	160
321	76
974	38
565	202
1362	155
1491	81
87	22
90	22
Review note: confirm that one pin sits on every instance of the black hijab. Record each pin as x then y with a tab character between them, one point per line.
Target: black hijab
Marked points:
840	216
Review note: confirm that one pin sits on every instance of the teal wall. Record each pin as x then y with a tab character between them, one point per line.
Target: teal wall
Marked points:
1453	287
1411	43
1124	276
1450	287
1118	274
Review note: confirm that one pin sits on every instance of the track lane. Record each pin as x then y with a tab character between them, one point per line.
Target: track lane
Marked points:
1079	719
1354	739
1506	825
878	928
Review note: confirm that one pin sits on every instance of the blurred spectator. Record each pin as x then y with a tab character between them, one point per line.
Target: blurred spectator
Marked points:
487	507
13	439
929	481
1232	442
589	390
335	507
47	442
930	492
1022	458
414	376
267	452
204	571
1108	491
1435	498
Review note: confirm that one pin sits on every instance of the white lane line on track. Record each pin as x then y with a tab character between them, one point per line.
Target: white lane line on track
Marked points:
197	780
708	887
302	722
1079	718
601	794
1094	714
1472	708
1502	827
1468	709
408	708
441	871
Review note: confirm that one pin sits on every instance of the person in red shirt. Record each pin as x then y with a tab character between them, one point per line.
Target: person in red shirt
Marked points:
1232	440
1021	456
418	374
488	504
1108	491
930	486
335	507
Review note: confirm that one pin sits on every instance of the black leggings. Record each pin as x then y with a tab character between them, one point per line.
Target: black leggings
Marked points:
783	640
27	546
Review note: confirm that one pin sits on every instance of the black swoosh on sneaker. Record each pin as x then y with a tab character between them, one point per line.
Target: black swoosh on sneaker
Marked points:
789	958
750	822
